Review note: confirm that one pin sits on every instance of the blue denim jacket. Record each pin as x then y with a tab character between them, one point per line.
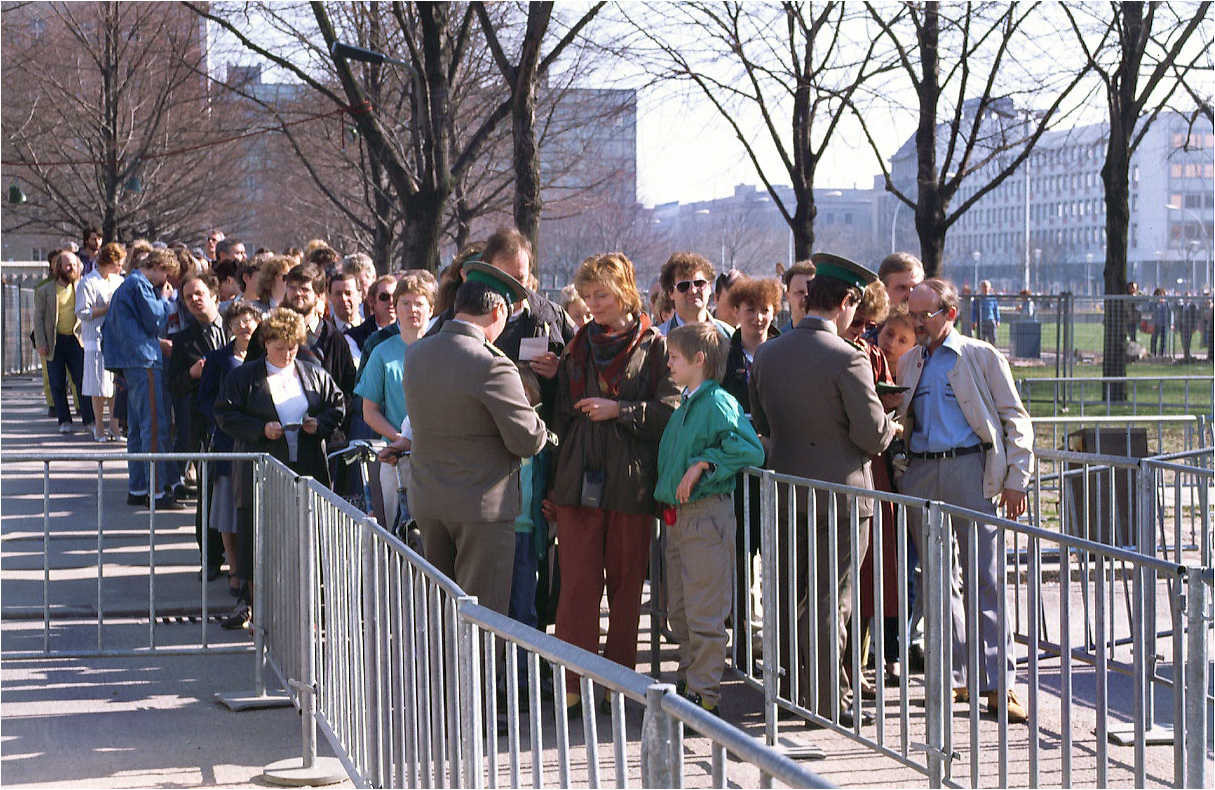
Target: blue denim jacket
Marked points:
130	336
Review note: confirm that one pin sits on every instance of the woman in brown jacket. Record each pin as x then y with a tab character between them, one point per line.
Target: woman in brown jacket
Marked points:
614	397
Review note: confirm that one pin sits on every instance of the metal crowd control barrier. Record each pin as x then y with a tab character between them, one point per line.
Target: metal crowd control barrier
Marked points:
1194	395
86	556
1162	433
16	323
415	684
1094	659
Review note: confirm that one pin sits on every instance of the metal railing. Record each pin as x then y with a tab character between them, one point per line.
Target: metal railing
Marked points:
1156	394
414	684
1139	436
16	323
1084	610
89	561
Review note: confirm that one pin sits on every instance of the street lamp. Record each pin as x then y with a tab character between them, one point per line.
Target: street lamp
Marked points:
350	52
977	255
1038	263
1088	270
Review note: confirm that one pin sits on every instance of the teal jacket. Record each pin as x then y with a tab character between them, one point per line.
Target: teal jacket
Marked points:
709	426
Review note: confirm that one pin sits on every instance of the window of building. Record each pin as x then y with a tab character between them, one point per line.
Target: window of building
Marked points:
1193	201
847	217
1175	171
1175	200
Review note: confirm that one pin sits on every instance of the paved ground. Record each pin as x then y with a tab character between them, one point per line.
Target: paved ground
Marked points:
152	721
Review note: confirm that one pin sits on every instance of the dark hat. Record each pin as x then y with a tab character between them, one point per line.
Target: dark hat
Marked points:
511	290
828	265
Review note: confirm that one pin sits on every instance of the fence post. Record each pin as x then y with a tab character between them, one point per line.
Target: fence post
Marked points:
938	630
1197	679
769	592
656	736
471	703
257	698
308	769
371	640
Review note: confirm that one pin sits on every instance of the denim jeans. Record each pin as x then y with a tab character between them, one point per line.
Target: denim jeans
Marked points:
68	359
523	592
140	399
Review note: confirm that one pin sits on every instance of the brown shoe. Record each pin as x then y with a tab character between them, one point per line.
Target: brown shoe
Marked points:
1016	711
961	695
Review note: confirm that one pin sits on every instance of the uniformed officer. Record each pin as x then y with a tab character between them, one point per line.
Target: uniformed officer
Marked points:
472	423
813	398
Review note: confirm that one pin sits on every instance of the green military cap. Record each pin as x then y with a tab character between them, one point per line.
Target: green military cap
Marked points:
476	270
828	265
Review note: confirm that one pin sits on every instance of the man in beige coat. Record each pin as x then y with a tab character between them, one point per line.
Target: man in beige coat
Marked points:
471	423
969	440
813	399
58	340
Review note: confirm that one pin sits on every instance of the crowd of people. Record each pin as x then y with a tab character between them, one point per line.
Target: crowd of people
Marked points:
537	441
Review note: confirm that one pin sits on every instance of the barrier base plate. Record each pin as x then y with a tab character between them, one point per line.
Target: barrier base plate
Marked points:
247	700
1156	735
292	773
800	751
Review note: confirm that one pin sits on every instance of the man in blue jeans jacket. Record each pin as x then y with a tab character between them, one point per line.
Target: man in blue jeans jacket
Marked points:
130	342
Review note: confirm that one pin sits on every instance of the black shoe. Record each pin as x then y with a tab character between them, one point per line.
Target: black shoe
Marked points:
915	659
847	720
167	502
183	491
240	618
137	500
214	573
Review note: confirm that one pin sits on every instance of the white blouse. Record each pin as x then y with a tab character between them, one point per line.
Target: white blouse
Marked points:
289	401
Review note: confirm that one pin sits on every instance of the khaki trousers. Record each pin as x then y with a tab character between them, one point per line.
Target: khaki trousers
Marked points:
700	554
479	556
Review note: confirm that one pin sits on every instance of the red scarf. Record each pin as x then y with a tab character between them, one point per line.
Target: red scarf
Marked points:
608	351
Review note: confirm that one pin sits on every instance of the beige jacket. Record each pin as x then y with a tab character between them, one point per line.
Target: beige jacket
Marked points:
988	397
45	313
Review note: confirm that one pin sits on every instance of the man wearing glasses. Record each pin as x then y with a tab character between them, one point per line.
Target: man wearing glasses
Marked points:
209	247
970	440
688	278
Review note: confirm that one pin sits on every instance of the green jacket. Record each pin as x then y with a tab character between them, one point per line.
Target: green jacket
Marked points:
709	426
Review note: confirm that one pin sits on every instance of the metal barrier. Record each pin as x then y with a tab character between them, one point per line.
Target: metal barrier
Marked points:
16	323
85	568
1089	671
1161	433
415	684
1185	394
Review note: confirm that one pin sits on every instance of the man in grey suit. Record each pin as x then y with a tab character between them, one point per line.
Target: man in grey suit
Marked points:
471	423
813	399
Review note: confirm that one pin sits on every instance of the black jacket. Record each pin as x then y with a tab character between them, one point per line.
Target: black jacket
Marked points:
330	351
735	380
245	406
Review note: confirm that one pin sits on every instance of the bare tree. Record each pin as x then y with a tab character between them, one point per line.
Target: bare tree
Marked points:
108	121
967	64
794	65
522	78
1143	57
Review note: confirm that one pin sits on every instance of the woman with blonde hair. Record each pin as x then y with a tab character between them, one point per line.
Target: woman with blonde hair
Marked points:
280	405
271	282
614	398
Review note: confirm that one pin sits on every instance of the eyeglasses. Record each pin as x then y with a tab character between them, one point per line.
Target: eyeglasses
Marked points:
683	287
384	296
925	316
862	323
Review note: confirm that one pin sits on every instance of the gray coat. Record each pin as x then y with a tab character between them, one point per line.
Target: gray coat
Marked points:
471	424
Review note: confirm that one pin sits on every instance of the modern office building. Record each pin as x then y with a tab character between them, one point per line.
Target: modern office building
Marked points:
1171	203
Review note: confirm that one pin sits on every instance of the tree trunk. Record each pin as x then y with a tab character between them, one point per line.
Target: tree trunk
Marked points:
528	200
802	225
423	230
930	208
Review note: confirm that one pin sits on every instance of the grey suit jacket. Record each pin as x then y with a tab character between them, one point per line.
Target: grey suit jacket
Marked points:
45	313
812	394
471	424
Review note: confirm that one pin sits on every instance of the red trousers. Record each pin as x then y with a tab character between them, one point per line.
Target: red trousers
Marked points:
594	547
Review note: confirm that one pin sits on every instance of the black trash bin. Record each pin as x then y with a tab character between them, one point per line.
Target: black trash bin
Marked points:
1026	339
1102	509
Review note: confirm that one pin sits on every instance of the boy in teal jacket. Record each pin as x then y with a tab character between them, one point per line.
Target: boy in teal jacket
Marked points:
707	442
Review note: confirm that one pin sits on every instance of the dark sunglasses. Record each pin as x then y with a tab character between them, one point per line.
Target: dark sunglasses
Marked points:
384	296
686	284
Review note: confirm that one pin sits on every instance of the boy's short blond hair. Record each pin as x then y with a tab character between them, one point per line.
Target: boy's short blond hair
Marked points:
706	339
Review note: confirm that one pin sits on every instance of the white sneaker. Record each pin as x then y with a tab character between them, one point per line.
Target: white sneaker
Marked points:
65	427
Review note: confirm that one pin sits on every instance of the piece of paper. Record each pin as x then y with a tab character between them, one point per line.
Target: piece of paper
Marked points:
532	348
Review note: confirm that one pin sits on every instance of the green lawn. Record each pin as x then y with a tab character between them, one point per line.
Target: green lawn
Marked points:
1149	393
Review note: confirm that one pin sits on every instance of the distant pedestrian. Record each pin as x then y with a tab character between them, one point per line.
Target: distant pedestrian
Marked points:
57	337
93	297
985	313
1162	316
131	342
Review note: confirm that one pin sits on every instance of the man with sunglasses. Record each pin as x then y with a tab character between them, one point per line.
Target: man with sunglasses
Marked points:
687	279
379	309
970	440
